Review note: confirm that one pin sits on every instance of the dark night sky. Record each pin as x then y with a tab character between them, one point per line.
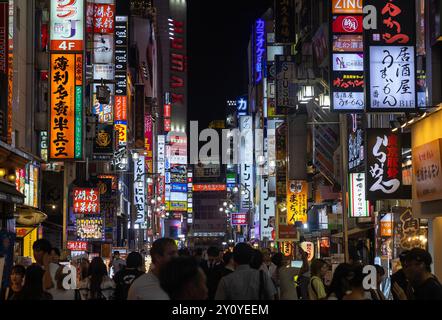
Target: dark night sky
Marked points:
218	35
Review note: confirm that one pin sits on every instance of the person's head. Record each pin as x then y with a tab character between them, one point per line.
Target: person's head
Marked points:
116	254
162	251
340	282
134	260
97	271
380	273
212	253
55	255
228	258
256	260
33	286
17	275
266	255
318	268
278	259
182	279
40	248
84	268
402	256
355	278
242	253
417	264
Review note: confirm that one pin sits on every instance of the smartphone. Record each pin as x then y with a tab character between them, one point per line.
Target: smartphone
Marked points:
296	264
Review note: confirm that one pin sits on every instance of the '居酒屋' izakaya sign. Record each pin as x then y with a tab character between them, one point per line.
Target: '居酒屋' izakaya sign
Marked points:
347	58
390	57
384	165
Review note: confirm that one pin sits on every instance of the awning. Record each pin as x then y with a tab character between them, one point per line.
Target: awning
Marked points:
352	232
8	193
29	216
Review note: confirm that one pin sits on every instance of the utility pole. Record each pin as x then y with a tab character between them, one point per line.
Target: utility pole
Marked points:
344	185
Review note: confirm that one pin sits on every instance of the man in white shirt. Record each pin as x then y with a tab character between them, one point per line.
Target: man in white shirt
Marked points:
147	286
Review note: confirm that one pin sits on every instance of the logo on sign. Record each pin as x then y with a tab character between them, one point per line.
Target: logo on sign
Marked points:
66	8
350	24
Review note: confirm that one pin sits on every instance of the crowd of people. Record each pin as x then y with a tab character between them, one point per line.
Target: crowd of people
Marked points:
242	274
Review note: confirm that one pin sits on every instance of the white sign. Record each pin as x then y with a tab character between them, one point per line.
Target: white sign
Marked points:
177	196
348	100
348	62
392	77
161	154
358	202
104	71
139	189
103	48
66	26
267	210
246	163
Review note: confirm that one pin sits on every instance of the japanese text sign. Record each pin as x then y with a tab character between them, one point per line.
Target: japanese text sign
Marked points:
139	189
86	200
297	195
77	245
384	164
104	18
239	219
427	173
284	21
359	206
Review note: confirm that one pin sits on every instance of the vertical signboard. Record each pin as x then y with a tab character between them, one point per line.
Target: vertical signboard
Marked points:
347	58
246	163
356	153
359	206
384	165
285	89
66	27
66	106
390	57
285	21
148	142
260	46
139	189
297	195
267	209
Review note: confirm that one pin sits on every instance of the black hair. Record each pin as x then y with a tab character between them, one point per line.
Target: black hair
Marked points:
199	252
184	252
159	246
116	252
33	286
56	250
42	245
213	252
227	257
339	284
277	259
316	266
356	276
134	260
19	269
257	259
242	253
379	270
177	274
97	271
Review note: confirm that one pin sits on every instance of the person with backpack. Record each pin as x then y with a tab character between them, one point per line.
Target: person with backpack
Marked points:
124	278
417	268
316	288
98	285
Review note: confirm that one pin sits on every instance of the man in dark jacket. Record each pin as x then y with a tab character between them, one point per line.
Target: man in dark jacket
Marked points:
213	269
124	278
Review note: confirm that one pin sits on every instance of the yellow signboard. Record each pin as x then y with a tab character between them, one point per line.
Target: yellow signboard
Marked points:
29	236
297	195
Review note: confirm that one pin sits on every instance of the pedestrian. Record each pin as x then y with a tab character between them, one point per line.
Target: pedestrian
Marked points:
117	263
124	278
286	275
54	265
59	292
147	286
355	278
83	269
245	283
198	254
98	285
268	266
33	286
278	261
339	286
257	259
316	288
417	269
229	265
16	282
42	254
212	268
55	255
400	279
183	279
377	294
184	252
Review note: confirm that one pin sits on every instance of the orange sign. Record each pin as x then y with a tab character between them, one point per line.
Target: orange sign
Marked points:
121	128
297	195
62	124
347	6
287	248
427	171
120	108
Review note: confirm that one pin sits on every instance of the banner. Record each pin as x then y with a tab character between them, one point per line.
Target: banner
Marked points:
297	195
384	165
390	57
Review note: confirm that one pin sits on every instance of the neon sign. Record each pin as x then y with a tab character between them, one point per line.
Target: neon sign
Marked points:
260	44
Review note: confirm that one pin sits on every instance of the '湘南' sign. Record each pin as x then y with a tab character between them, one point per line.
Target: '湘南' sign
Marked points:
384	165
86	201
